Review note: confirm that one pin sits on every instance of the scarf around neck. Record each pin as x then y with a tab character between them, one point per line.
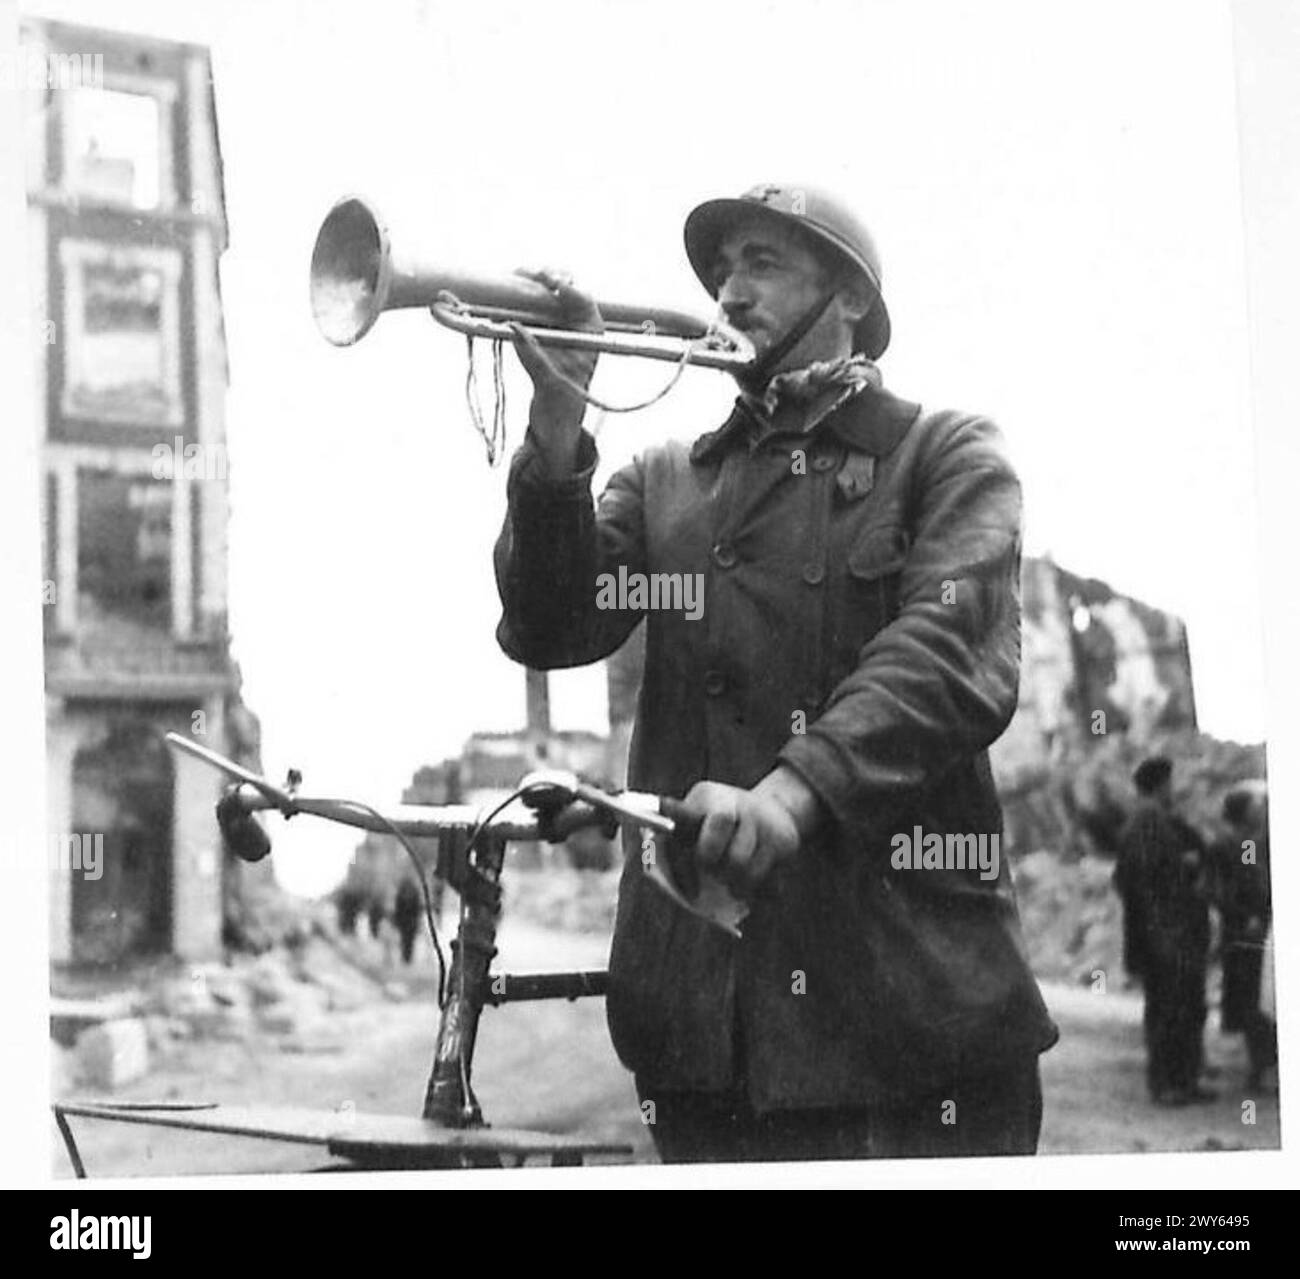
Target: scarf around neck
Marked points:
847	373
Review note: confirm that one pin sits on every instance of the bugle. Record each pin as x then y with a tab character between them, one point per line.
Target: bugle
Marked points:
356	276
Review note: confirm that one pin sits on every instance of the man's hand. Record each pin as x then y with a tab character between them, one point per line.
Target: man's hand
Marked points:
745	833
557	411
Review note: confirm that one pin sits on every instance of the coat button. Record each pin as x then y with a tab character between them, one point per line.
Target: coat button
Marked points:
813	574
724	555
714	683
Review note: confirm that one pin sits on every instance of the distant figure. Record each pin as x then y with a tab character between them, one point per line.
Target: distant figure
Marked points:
1126	887
1163	873
377	914
348	901
1245	905
407	909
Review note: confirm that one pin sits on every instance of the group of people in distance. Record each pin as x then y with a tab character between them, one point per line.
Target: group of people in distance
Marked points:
406	910
1168	877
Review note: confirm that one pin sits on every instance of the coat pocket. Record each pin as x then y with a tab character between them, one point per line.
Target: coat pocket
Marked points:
879	552
875	565
867	593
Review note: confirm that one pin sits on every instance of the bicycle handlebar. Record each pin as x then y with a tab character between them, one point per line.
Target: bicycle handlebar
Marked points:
564	804
431	820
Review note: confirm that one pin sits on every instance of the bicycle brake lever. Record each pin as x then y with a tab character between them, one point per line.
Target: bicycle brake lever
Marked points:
619	808
681	848
680	877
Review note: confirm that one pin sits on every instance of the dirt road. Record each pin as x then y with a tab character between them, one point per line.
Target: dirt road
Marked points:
550	1066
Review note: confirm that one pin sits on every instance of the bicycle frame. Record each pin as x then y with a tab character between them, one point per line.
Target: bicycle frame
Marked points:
451	1131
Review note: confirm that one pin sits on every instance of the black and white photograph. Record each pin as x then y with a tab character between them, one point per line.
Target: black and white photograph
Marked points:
679	593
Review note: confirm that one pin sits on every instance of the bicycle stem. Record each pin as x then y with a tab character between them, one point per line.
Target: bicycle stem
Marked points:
446	1099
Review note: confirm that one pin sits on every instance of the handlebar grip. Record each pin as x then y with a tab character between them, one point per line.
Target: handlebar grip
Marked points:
681	847
242	832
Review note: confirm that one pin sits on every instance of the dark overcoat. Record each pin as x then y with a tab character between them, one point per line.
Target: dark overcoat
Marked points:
861	624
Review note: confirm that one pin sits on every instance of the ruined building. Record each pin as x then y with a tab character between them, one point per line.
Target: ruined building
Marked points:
126	224
1093	663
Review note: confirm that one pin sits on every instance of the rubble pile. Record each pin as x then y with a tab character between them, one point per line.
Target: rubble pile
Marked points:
286	994
1072	918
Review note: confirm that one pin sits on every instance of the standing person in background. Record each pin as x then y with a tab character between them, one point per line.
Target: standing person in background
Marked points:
1125	880
1244	899
349	902
407	908
1166	877
376	914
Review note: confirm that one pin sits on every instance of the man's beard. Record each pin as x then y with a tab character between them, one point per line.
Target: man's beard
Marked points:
755	380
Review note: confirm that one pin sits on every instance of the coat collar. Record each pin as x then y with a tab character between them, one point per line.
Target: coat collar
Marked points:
873	421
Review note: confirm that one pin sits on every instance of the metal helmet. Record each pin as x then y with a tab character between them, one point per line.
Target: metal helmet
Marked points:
823	216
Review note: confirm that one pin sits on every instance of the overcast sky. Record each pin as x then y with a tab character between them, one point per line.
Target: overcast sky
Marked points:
1054	188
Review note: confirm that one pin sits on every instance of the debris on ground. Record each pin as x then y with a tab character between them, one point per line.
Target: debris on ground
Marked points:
286	994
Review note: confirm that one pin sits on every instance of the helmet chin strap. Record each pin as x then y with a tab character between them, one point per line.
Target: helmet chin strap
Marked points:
756	378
